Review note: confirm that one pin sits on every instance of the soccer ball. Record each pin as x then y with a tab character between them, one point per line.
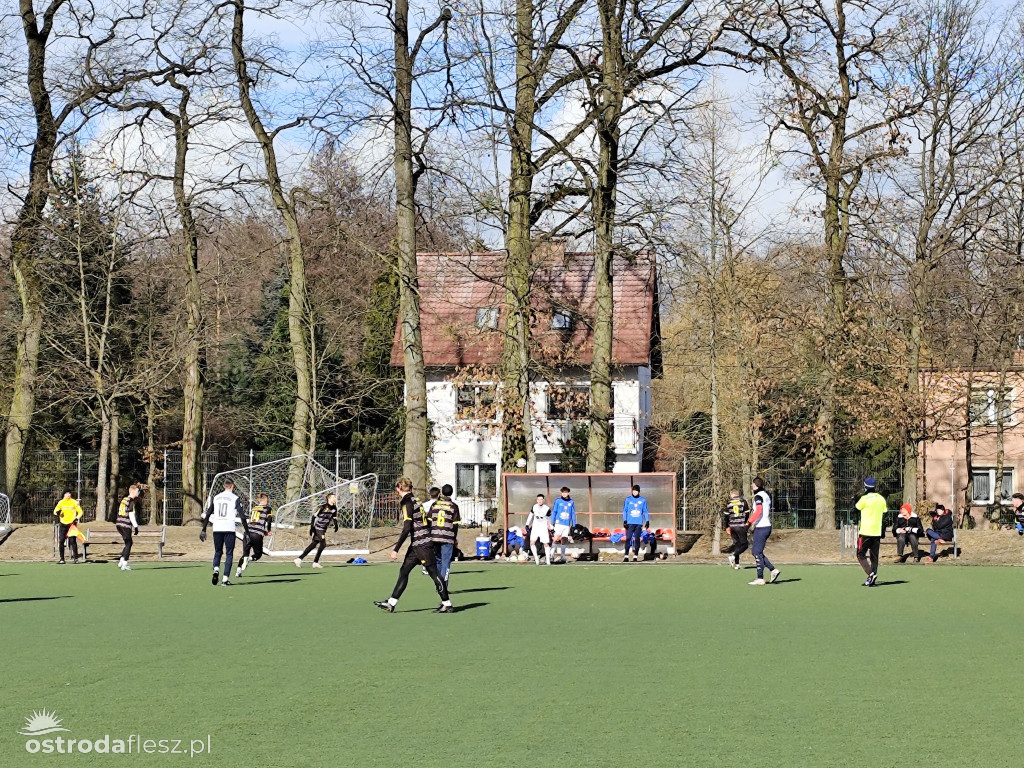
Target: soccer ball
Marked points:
522	557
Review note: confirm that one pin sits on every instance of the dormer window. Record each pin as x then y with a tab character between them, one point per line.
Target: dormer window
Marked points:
561	320
487	317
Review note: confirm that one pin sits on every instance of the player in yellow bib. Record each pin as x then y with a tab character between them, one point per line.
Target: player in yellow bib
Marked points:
68	511
872	508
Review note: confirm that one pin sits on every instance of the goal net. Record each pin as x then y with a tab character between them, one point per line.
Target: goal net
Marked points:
283	480
5	512
356	500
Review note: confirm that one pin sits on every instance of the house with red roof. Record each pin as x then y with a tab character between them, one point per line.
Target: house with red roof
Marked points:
462	299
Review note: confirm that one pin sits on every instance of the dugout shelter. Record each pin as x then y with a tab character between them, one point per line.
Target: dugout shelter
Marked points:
599	498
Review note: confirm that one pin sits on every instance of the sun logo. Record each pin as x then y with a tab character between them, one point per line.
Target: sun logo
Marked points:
40	723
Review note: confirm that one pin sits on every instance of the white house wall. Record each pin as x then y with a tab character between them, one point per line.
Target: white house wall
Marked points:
458	442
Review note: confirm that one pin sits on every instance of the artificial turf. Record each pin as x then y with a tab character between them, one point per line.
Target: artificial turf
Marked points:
596	665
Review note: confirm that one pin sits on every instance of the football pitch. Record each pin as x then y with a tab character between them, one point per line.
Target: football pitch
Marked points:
588	665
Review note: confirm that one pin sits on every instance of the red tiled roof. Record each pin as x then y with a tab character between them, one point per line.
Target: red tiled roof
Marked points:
453	286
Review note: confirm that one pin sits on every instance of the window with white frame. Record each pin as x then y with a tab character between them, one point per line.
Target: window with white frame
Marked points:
568	403
989	406
479	481
475	401
984	483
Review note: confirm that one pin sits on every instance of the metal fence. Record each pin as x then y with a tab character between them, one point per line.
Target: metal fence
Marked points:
791	485
47	474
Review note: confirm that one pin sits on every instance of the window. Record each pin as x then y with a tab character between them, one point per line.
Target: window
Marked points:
487	317
990	406
475	401
476	480
984	482
561	320
568	403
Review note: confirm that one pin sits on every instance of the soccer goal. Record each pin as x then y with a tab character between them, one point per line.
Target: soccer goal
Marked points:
284	481
5	513
356	500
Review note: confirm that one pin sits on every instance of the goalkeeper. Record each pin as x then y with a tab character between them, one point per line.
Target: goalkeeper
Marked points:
325	514
261	518
68	513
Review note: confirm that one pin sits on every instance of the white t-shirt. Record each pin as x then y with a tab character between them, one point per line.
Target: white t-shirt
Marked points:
541	513
224	512
765	500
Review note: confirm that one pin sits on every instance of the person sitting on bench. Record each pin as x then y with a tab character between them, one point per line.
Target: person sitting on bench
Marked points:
907	529
941	530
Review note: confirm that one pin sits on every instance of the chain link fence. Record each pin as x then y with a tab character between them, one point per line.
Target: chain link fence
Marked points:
791	485
47	474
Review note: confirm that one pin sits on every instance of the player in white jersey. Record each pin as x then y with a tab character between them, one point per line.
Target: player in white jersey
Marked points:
761	519
539	523
224	511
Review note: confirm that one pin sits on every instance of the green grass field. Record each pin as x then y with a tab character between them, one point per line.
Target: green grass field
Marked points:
657	665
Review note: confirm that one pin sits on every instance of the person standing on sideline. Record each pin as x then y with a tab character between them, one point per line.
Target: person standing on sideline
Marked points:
635	518
563	513
261	519
761	519
224	510
1017	500
908	530
539	523
941	530
416	528
444	527
325	514
736	512
68	511
127	524
872	508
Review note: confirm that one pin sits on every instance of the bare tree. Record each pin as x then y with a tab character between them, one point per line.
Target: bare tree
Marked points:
835	67
284	203
948	192
105	51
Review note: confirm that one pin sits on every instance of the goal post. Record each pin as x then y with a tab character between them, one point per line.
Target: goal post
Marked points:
5	513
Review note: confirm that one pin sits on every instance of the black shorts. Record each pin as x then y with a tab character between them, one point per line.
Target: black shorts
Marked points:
866	544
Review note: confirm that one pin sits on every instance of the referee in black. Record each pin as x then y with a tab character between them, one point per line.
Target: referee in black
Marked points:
421	550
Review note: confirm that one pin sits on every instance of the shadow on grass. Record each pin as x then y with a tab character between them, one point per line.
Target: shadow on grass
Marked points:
163	567
888	583
477	589
458	608
785	581
30	599
462	571
247	582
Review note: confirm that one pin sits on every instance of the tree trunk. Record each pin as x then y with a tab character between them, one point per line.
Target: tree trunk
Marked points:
115	462
23	245
611	96
194	389
415	464
297	303
102	474
151	476
517	427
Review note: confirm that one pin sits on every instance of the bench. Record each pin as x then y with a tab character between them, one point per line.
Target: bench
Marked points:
848	542
109	535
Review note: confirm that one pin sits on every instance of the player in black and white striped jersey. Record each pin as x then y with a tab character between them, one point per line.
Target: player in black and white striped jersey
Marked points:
261	518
